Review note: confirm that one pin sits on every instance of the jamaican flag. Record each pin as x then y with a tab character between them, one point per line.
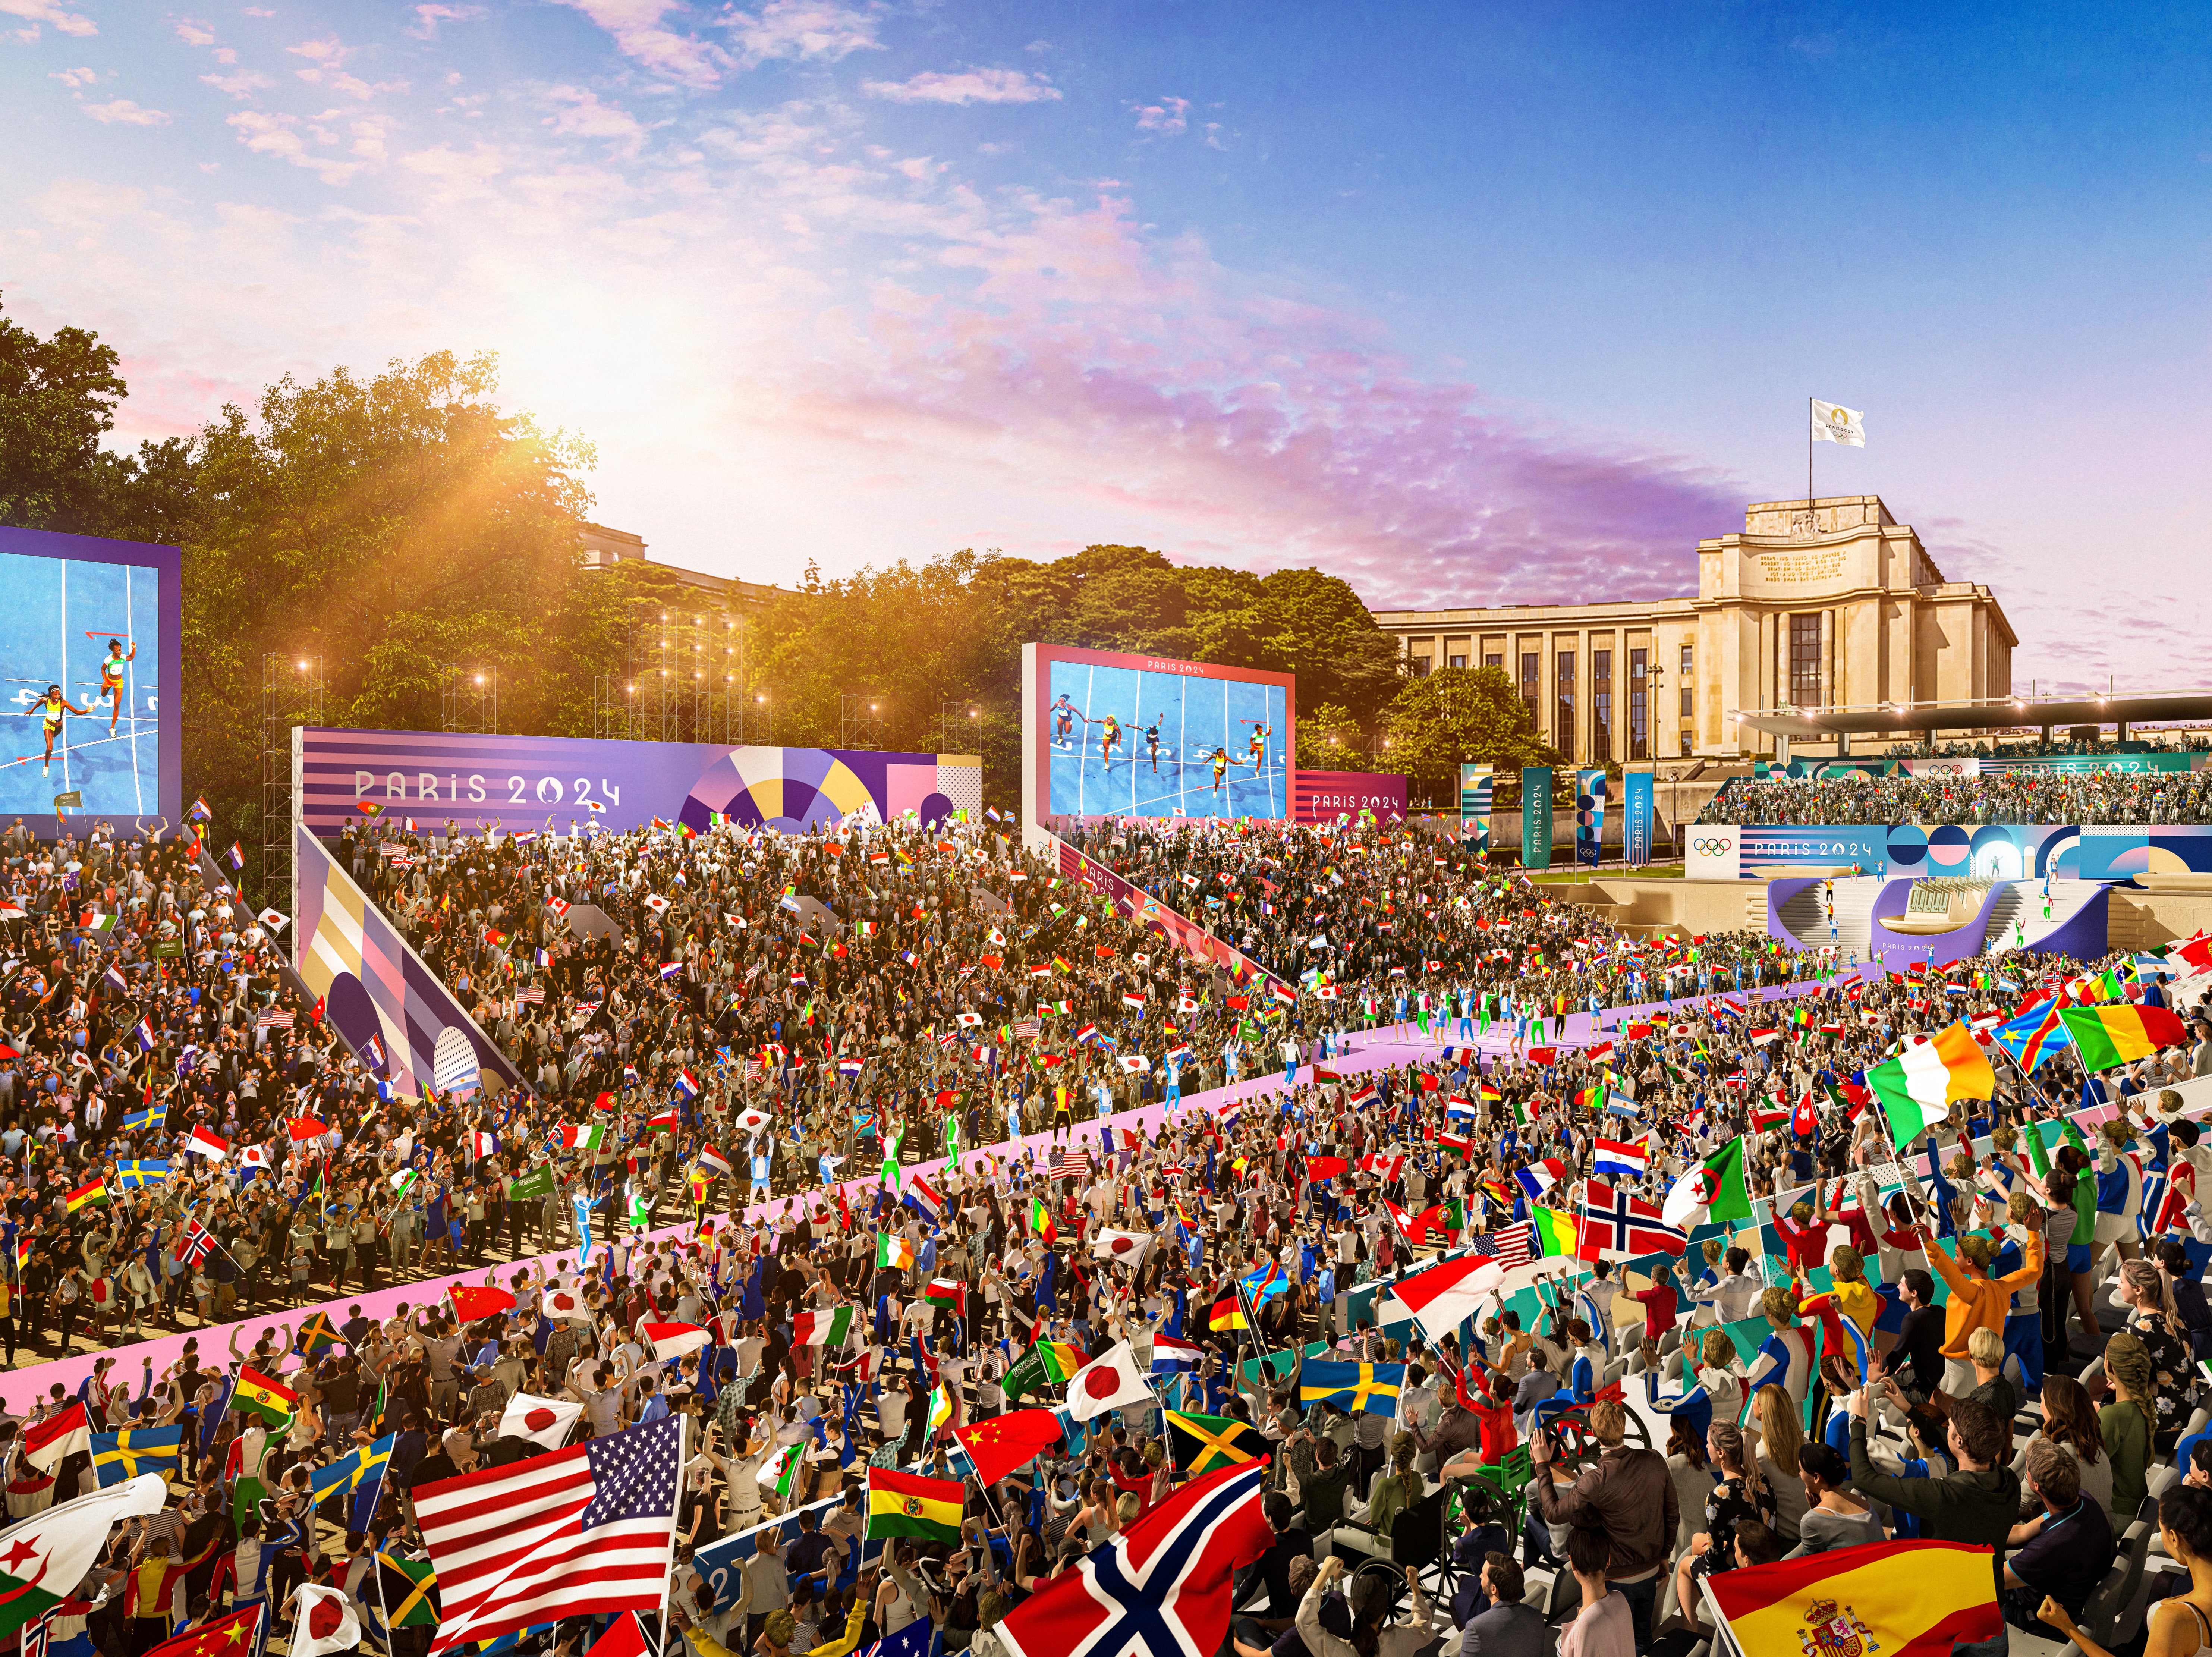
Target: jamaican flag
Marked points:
1202	1444
408	1591
316	1336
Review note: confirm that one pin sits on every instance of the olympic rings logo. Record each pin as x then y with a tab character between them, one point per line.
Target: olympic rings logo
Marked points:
1711	847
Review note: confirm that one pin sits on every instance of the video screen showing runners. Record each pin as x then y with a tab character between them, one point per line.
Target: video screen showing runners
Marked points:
1132	736
81	665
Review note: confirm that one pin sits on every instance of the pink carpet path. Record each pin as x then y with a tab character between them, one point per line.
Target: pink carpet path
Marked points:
22	1387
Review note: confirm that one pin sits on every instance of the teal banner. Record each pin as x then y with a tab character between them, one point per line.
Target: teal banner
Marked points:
1636	818
1535	816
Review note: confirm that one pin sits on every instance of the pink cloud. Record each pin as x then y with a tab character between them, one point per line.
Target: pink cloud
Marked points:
1167	117
124	113
974	86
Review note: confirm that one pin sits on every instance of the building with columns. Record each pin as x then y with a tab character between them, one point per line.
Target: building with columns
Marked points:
1829	603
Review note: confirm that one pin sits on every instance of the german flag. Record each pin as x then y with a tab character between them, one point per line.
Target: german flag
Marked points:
902	1505
1202	1444
1227	1314
257	1395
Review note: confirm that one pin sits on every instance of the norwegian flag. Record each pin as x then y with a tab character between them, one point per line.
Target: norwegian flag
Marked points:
1162	1587
196	1245
1615	1223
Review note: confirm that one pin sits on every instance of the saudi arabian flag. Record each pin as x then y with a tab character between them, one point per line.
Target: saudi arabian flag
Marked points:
1920	1084
1049	1362
1717	1185
48	1554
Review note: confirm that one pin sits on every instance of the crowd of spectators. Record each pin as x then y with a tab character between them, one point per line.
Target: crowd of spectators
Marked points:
2017	796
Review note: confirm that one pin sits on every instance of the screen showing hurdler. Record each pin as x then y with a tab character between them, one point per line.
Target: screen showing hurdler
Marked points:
80	684
1129	743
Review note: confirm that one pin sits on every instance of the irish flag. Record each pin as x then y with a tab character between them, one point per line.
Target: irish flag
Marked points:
1891	1596
1917	1087
2105	1036
893	1252
257	1395
48	1554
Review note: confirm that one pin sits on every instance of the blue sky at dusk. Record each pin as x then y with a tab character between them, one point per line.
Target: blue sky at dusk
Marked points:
1468	304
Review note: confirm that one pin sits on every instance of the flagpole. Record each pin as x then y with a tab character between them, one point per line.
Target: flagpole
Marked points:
1808	457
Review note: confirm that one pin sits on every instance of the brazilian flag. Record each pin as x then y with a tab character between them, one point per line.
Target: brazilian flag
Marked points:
1202	1444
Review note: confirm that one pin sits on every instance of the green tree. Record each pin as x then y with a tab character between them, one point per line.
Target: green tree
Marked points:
1326	736
1460	716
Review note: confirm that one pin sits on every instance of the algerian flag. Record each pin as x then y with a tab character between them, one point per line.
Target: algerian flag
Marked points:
48	1554
1716	1185
779	1469
1920	1084
1834	423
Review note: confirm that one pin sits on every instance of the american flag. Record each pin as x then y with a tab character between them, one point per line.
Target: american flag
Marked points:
582	1530
535	995
277	1018
1070	1164
1508	1248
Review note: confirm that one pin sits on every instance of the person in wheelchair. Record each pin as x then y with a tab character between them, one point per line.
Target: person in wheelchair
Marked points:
1579	1388
1252	1639
1367	1526
1372	1633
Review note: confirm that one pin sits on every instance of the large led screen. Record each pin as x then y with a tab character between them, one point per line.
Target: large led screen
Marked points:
1110	734
89	680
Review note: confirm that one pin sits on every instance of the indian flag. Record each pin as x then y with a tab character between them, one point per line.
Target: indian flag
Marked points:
1918	1086
257	1395
823	1327
893	1253
2105	1036
900	1504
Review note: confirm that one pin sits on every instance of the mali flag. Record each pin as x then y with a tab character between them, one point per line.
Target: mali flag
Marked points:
1556	1231
1202	1444
257	1395
1048	1364
900	1504
1900	1598
1041	1223
2105	1036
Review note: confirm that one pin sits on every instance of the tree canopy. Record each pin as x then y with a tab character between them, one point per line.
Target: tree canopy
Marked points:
1461	715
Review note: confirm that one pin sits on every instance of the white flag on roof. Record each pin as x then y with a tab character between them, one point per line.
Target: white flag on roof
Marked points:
1834	423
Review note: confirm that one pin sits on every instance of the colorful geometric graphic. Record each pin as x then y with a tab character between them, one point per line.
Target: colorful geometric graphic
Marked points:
797	790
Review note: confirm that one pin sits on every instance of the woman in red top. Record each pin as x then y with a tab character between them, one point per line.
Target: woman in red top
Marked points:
1662	1303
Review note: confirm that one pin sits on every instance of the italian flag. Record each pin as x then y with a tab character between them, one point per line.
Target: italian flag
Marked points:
582	1138
257	1395
48	1554
826	1327
1919	1085
893	1253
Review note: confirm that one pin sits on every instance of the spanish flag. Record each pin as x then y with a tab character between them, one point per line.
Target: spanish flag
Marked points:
1900	1598
257	1395
902	1505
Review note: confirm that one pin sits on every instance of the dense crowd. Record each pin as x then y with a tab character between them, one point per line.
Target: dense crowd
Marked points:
2021	797
816	1026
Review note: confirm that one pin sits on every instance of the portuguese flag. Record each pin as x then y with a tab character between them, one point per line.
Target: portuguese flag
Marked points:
257	1395
900	1504
2105	1036
52	1551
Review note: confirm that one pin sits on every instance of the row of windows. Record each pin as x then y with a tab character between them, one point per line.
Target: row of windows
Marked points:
1602	706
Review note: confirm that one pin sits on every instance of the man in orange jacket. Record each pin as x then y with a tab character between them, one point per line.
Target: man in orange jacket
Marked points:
1978	1301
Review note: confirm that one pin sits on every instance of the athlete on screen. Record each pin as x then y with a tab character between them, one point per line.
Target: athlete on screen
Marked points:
1152	743
1064	716
50	707
1260	735
1109	738
1220	758
110	679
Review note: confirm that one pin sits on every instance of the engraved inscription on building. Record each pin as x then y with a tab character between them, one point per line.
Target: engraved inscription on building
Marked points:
1789	567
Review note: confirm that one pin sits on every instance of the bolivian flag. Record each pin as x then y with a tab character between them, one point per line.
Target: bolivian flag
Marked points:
902	1505
1900	1598
257	1395
2105	1036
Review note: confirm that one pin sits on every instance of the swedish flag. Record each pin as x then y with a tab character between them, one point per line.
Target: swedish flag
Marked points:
1352	1386
134	1174
124	1455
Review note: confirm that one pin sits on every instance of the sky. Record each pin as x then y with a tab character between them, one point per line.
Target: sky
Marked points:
1467	304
